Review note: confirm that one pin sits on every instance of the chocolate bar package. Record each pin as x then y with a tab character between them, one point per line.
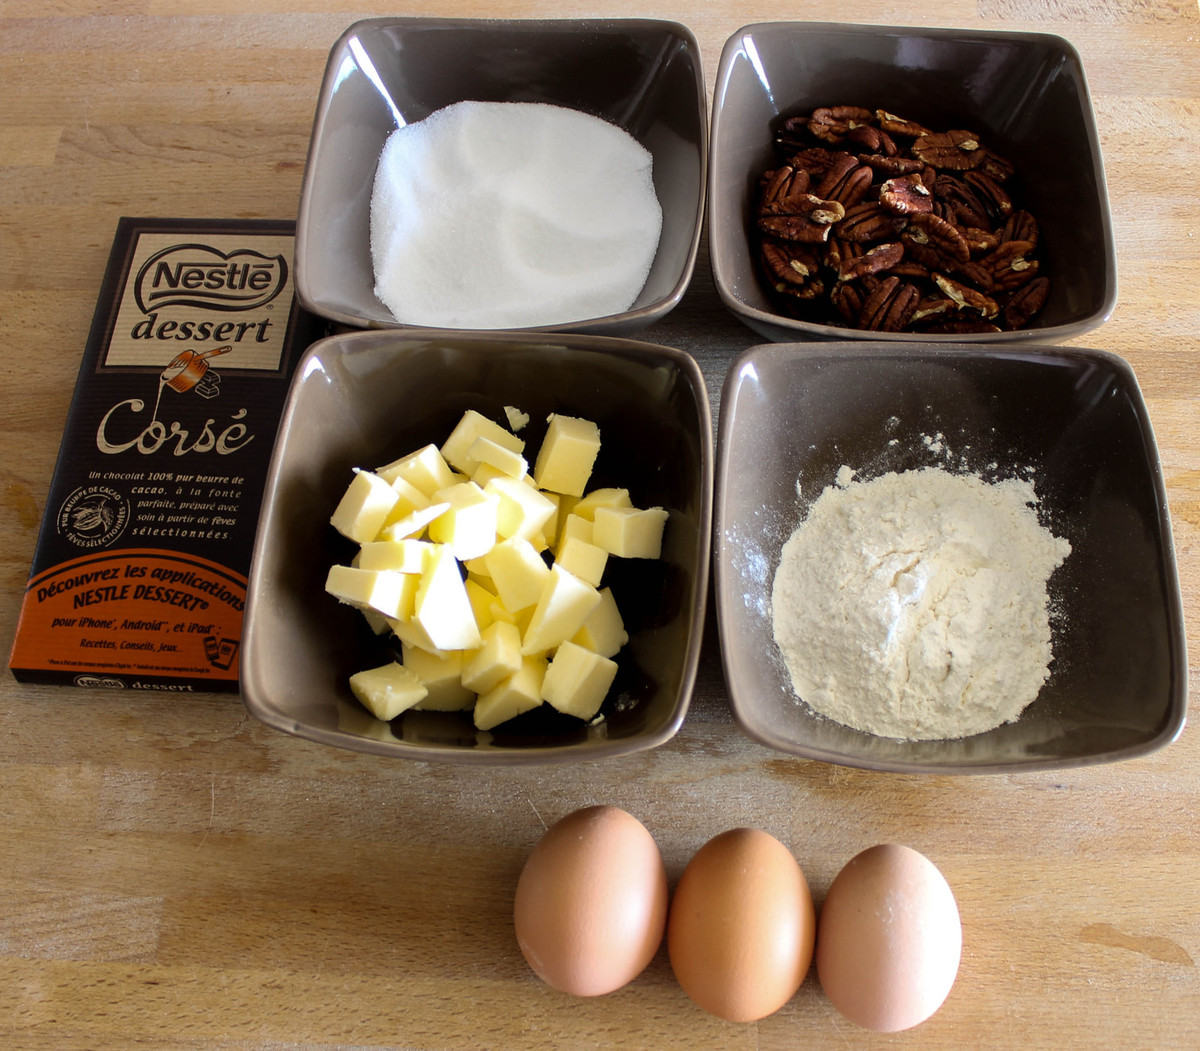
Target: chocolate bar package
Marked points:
139	575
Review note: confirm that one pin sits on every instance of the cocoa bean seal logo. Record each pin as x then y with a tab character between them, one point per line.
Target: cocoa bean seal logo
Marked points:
93	516
200	276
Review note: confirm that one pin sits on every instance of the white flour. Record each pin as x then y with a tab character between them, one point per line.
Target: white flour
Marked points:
915	606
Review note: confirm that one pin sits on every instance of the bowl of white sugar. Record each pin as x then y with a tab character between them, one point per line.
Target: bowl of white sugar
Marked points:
944	558
504	174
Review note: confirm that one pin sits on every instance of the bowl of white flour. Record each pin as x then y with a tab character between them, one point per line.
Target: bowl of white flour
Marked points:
504	174
943	559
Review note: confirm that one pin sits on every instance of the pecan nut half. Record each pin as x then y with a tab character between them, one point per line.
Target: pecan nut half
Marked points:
966	297
792	266
831	123
846	181
890	306
869	221
1023	303
957	150
905	195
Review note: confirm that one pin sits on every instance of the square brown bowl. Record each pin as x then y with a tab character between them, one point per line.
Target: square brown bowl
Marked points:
793	414
1024	94
363	399
643	75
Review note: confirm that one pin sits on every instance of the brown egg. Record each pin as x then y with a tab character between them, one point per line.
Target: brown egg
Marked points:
591	903
889	939
741	926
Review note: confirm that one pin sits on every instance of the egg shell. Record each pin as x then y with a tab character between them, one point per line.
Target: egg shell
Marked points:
741	926
889	939
591	902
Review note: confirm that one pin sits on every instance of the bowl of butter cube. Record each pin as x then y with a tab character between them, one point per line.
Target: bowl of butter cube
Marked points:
483	548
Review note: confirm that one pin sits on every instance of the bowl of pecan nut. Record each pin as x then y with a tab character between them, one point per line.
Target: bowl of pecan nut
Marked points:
911	184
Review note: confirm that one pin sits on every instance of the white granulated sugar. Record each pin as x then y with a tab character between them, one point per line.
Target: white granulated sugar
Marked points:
915	605
511	215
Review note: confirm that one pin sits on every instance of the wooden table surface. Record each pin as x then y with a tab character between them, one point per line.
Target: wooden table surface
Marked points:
175	875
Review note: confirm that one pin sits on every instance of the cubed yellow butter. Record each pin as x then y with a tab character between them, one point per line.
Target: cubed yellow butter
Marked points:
518	571
577	680
364	507
607	497
574	527
497	659
387	592
516	418
484	473
629	532
568	453
457	448
410	633
484	601
441	675
521	510
469	524
561	610
408	500
426	470
488	453
552	524
441	606
412	525
586	561
604	631
511	697
387	691
404	556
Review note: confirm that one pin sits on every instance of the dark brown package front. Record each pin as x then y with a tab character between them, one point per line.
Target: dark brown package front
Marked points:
139	577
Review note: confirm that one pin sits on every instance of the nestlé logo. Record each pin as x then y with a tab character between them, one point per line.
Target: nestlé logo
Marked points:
198	275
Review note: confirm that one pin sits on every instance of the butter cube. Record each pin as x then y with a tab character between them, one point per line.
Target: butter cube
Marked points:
609	497
404	556
568	453
441	675
575	527
457	448
586	561
521	510
410	633
489	453
561	610
628	532
386	691
518	572
604	631
498	658
387	592
550	528
484	602
412	525
364	506
518	693
578	680
441	606
426	470
469	524
516	418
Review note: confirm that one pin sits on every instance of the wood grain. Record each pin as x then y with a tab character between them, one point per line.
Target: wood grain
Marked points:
175	875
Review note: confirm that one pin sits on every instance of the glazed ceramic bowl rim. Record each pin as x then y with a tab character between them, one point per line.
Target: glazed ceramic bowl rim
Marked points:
266	708
761	729
633	318
788	329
